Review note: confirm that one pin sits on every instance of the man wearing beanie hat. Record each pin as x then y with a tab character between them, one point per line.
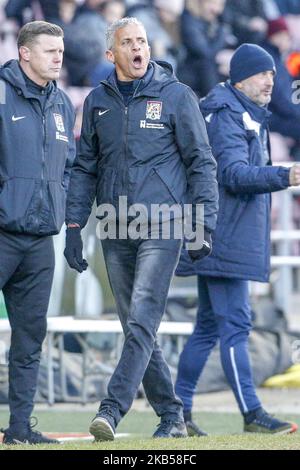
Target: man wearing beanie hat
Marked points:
237	122
249	60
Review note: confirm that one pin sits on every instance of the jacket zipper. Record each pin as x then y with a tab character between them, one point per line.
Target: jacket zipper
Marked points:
125	174
120	99
43	170
125	150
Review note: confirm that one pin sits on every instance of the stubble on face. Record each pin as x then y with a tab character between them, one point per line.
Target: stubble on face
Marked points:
258	88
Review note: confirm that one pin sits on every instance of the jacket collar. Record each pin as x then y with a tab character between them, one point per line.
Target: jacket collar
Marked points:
12	73
224	95
158	75
259	113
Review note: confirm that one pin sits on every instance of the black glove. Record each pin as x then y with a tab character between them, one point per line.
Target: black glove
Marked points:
197	255
73	250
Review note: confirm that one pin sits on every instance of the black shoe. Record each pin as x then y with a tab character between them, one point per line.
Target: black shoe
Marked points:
103	426
193	429
262	422
168	428
26	436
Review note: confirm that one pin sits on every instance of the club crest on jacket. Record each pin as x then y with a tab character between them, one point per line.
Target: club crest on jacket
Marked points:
153	110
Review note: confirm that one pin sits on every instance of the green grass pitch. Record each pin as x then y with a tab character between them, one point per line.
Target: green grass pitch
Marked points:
225	432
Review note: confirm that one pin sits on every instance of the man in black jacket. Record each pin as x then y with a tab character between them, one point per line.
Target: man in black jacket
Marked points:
36	152
143	138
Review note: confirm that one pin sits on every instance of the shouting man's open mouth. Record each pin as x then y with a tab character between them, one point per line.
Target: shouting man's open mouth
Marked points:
137	61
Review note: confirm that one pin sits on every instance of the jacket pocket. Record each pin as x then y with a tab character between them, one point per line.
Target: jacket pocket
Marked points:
1	184
105	186
15	200
233	223
167	184
57	195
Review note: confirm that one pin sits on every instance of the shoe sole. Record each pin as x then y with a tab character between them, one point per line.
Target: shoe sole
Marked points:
175	436
15	442
180	436
196	434
290	430
102	430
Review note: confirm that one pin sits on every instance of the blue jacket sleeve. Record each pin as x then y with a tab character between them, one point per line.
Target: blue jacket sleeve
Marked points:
71	153
192	140
69	162
82	188
230	147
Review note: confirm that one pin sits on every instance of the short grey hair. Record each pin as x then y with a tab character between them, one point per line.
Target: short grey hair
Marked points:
116	25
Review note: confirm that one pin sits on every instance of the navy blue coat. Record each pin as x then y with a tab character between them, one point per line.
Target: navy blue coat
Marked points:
37	150
241	241
154	151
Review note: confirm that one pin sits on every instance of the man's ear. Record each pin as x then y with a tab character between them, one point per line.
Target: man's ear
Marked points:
110	56
238	85
24	53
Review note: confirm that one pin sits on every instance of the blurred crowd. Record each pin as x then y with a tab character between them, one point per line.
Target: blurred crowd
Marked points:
198	37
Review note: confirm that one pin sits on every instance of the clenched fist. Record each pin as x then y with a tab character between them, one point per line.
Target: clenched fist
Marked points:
295	175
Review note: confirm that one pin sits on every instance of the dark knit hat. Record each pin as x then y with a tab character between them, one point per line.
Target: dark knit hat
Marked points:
248	60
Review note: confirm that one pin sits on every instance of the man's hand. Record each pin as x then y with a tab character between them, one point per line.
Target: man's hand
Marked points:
295	175
73	250
197	255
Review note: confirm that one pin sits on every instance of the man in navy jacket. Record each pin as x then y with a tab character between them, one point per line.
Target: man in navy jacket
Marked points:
36	153
236	115
142	138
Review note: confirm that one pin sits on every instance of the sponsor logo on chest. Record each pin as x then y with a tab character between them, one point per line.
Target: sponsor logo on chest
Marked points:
60	127
59	122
